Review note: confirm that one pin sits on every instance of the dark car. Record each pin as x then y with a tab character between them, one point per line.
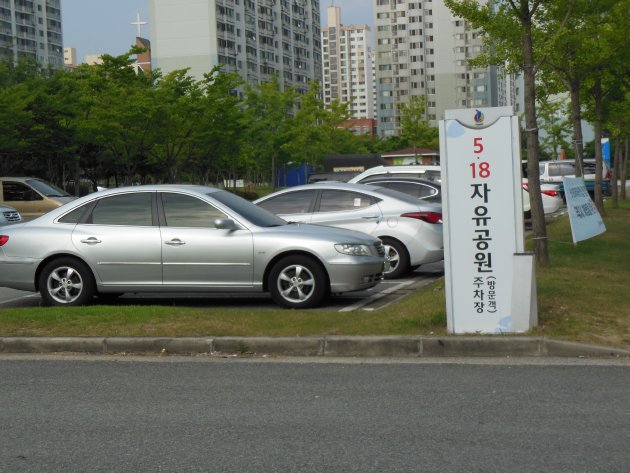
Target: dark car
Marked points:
423	189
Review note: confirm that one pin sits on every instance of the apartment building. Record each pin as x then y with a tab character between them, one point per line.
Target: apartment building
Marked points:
421	49
255	38
347	65
31	29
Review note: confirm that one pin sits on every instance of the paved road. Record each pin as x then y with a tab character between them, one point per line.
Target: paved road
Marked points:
383	294
194	414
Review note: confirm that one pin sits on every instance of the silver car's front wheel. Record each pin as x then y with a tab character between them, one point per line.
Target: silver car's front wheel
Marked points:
66	282
297	282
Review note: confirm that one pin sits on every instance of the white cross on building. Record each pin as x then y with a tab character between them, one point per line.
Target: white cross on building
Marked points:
138	23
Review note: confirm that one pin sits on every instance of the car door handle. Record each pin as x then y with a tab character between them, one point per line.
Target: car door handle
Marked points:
91	241
371	217
175	242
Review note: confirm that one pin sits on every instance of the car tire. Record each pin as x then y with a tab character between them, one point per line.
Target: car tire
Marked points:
66	282
398	258
297	282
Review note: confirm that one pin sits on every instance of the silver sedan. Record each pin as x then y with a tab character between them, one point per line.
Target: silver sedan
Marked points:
410	229
182	239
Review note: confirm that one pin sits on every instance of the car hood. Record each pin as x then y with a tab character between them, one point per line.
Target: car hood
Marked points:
342	235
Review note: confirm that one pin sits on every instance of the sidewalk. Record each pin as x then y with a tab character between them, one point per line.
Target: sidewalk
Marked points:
325	346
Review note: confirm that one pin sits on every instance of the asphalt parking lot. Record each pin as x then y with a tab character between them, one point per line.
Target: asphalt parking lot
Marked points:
376	298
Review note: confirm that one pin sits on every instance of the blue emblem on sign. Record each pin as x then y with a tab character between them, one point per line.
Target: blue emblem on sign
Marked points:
479	117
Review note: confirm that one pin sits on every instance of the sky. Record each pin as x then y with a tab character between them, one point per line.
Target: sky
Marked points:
104	26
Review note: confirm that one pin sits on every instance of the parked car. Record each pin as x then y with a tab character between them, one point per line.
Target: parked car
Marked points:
31	196
422	189
551	198
425	171
552	172
168	238
411	230
9	215
341	176
430	190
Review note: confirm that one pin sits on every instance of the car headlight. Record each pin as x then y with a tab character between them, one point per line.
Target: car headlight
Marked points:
354	249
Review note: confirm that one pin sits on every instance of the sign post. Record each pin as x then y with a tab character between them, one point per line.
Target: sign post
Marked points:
490	280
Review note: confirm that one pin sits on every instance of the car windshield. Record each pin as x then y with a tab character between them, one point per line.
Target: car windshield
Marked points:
256	215
46	188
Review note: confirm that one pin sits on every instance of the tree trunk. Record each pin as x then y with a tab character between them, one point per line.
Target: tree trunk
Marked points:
541	248
616	167
576	118
597	127
622	174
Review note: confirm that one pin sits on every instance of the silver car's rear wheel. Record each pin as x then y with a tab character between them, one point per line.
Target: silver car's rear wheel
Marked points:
398	258
297	282
66	282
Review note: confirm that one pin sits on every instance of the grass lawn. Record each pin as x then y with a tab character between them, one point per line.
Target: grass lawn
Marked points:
583	295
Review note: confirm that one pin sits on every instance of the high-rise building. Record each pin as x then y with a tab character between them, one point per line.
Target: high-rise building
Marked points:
422	50
255	38
347	64
31	29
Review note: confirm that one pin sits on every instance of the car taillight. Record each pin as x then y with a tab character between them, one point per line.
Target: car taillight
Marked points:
551	193
429	217
3	239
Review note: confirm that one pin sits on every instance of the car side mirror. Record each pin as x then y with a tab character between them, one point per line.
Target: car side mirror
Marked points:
224	224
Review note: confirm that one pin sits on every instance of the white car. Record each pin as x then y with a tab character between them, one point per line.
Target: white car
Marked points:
410	229
551	197
551	193
425	171
9	215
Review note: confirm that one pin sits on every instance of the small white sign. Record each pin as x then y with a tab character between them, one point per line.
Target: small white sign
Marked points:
483	222
586	222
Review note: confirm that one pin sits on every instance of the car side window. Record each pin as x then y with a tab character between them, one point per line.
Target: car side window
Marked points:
338	201
75	215
418	190
18	192
554	170
127	209
182	210
298	202
567	169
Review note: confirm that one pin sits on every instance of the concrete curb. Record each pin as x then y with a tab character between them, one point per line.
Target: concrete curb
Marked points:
330	346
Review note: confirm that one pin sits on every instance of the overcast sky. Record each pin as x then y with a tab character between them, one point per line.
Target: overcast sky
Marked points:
104	26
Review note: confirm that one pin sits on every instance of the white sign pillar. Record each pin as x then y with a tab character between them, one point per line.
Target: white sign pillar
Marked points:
490	281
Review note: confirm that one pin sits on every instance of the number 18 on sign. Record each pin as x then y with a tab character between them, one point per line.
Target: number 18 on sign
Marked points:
483	224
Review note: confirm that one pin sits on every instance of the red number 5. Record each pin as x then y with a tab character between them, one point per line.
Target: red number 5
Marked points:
478	145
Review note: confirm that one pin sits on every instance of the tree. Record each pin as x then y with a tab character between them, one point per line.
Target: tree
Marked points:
555	125
179	107
416	129
511	30
607	57
217	140
125	115
269	113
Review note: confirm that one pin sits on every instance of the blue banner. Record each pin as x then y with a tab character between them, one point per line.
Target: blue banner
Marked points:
586	222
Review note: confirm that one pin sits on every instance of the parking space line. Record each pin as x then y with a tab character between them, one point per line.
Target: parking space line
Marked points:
378	295
19	298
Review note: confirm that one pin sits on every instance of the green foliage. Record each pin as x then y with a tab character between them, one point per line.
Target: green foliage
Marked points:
416	130
104	122
555	123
